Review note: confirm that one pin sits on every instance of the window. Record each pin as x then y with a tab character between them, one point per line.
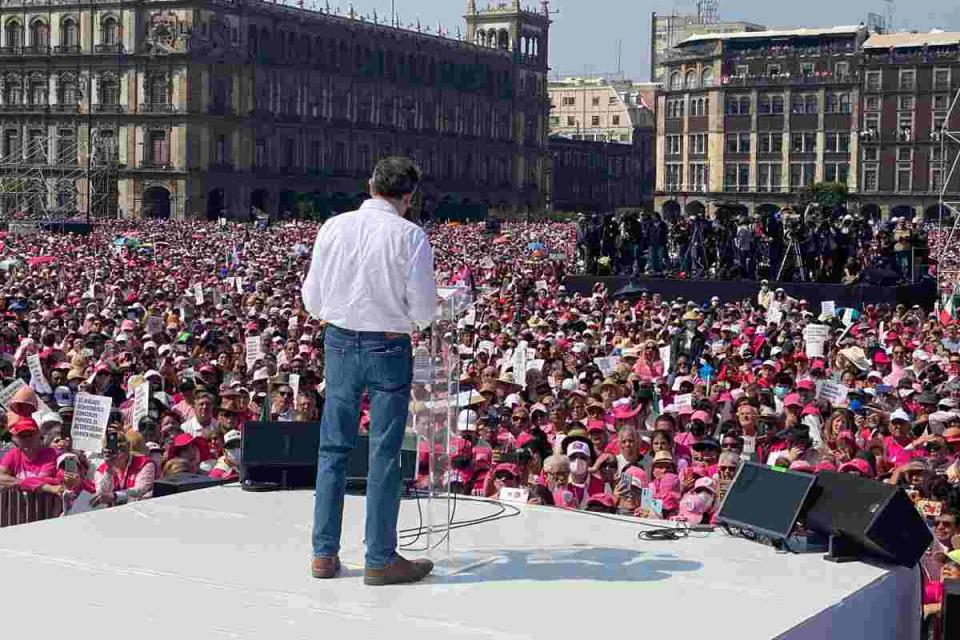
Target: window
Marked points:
936	154
674	144
871	154
157	93
905	127
613	100
939	120
871	103
698	143
835	142
841	70
568	101
109	90
805	103
908	80
11	144
69	34
699	177
738	143
768	176
66	146
690	80
706	78
36	146
594	121
554	121
873	80
698	106
674	176
68	93
803	142
770	103
807	68
157	148
773	69
596	102
743	70
770	142
39	35
110	32
941	79
904	177
14	35
615	120
736	176
38	92
904	154
220	151
905	103
838	102
936	178
836	172
871	177
941	102
738	105
801	174
675	108
571	121
675	81
12	91
871	122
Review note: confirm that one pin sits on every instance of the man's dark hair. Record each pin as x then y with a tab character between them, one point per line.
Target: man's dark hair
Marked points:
395	177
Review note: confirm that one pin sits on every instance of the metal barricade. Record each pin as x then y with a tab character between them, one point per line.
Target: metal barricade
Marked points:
22	507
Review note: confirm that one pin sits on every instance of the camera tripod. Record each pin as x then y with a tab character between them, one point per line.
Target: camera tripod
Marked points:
696	251
793	251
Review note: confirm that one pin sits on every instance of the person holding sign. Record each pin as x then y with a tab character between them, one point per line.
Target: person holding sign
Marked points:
371	279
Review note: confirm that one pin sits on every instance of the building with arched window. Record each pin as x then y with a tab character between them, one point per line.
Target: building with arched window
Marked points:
211	109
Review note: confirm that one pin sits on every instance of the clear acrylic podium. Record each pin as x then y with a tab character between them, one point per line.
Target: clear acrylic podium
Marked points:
433	414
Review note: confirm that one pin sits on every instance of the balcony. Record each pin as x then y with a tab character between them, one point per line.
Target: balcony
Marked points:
37	50
108	48
157	107
108	108
64	108
66	48
10	51
154	164
786	79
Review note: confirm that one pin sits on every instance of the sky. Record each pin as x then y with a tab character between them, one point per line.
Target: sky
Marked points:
585	34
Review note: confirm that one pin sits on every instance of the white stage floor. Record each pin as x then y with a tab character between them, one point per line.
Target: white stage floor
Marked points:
223	563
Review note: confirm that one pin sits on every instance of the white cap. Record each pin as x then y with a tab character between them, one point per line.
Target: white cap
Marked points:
899	414
149	345
512	400
261	374
231	436
920	354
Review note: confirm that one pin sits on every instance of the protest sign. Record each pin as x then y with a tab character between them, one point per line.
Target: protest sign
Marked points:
514	495
718	347
774	317
198	294
7	392
239	282
828	308
141	404
37	380
665	357
813	332
90	417
815	349
192	426
848	316
535	364
832	392
683	400
487	346
295	385
254	350
542	285
520	361
606	365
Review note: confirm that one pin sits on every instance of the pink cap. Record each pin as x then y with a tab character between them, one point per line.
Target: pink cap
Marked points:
792	400
702	416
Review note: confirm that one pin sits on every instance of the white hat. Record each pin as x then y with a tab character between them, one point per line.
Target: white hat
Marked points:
149	345
512	400
899	414
922	355
64	456
874	374
165	349
261	374
467	420
578	446
152	373
231	436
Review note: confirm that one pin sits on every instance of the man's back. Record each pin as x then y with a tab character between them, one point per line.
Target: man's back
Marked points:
371	271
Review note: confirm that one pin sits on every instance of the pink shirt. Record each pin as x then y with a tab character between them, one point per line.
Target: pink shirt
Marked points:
42	466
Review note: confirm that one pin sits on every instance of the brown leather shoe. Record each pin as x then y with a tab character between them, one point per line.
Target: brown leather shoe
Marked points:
325	566
400	571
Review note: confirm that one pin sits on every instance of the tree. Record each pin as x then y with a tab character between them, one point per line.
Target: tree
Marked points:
829	195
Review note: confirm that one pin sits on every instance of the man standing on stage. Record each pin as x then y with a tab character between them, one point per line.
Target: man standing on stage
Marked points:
371	279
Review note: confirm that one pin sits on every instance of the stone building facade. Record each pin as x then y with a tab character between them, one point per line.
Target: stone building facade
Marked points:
225	106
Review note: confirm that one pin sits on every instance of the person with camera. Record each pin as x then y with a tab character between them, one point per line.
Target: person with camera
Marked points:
123	476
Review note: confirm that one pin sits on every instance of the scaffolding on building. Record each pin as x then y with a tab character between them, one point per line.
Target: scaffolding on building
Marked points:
60	180
948	270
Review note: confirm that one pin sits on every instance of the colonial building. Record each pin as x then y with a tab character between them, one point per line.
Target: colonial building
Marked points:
600	109
909	84
163	108
599	177
747	119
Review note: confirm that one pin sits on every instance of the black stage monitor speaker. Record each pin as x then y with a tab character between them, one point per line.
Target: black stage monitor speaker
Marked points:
950	611
765	500
283	455
181	483
865	516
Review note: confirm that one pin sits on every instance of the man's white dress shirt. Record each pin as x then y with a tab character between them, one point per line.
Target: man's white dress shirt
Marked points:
371	270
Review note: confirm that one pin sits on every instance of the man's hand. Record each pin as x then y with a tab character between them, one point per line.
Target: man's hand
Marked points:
103	499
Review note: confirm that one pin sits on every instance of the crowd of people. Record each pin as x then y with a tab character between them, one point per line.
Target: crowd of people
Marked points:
814	245
642	407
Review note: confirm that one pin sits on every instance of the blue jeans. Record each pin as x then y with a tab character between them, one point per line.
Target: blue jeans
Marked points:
383	365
